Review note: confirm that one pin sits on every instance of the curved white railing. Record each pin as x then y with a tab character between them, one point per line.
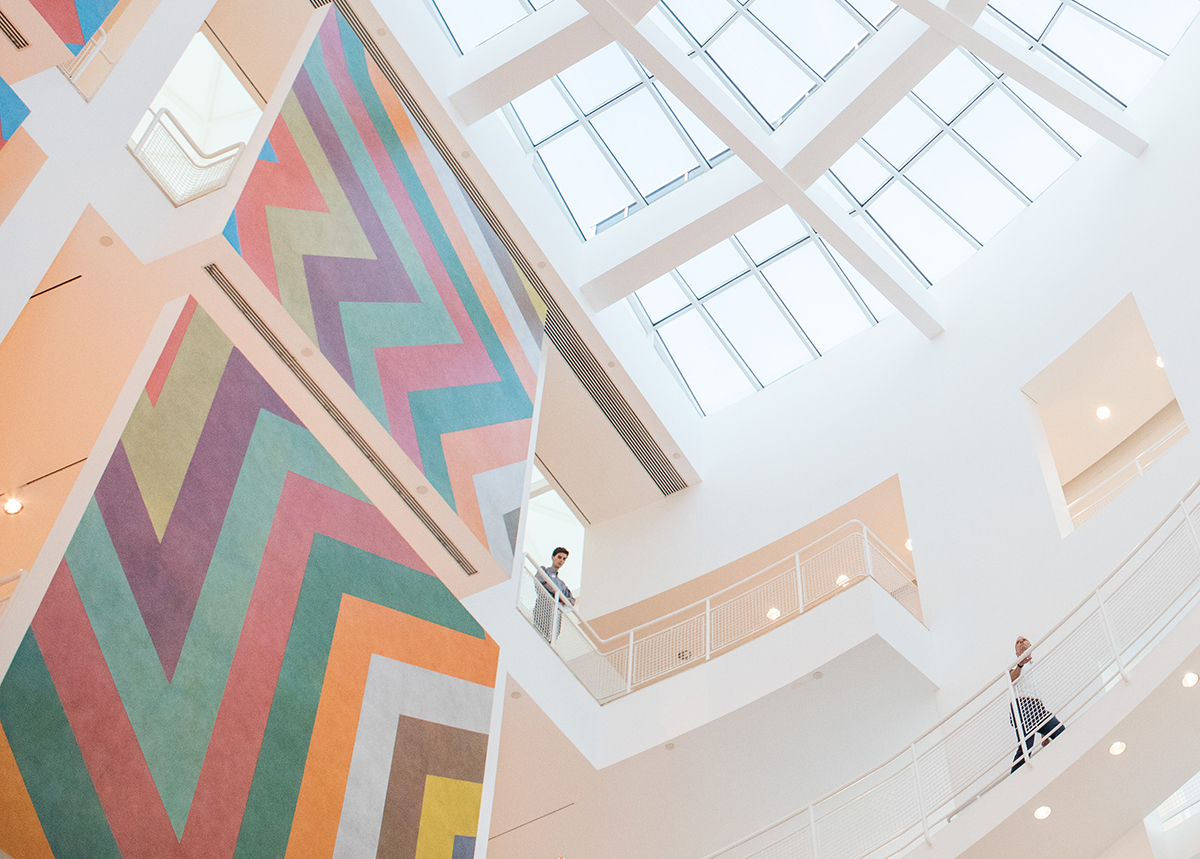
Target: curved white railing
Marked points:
1094	500
911	796
75	67
177	163
615	666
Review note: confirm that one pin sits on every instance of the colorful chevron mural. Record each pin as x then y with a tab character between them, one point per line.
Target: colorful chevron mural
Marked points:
74	21
238	656
359	228
12	112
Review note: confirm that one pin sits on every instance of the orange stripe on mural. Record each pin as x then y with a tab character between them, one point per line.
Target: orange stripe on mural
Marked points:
458	238
364	629
22	834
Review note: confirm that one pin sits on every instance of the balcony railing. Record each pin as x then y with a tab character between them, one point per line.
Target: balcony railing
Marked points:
615	666
1095	499
177	164
78	64
910	797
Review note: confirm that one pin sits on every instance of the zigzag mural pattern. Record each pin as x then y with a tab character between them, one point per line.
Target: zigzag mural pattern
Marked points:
74	21
235	649
12	112
358	227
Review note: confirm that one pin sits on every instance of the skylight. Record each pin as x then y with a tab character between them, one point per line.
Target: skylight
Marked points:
953	162
770	53
1113	45
751	309
608	139
470	23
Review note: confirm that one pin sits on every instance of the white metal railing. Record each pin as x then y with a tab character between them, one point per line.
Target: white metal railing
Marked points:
1181	804
93	47
1095	499
908	798
177	164
4	582
615	666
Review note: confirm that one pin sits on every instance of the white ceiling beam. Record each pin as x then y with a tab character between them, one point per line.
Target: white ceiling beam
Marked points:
716	109
531	51
1067	96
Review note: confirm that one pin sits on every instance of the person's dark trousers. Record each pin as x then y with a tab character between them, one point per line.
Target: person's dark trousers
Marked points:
1035	719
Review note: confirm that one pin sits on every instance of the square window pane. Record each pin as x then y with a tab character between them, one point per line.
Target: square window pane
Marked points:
543	111
964	188
1112	61
1014	143
599	78
702	18
934	248
860	172
952	85
904	130
770	80
1068	127
821	32
589	186
644	141
662	297
758	331
768	236
1032	16
816	296
717	265
473	22
709	144
709	371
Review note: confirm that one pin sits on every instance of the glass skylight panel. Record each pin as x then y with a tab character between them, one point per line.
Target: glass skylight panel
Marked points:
609	140
965	189
861	172
774	297
1077	135
954	84
762	336
1114	45
470	23
770	53
902	131
934	247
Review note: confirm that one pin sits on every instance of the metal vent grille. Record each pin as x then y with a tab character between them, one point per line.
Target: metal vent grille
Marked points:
562	333
317	4
338	416
14	35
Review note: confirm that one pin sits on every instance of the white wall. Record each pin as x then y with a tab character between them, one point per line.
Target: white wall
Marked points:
947	414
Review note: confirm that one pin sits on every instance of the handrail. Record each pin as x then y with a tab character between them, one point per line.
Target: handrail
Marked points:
74	67
181	168
936	758
612	667
1158	448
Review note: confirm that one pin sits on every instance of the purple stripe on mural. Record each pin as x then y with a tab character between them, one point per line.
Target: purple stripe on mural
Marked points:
166	577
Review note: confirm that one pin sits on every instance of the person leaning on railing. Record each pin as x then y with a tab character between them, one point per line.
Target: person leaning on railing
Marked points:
1035	718
551	589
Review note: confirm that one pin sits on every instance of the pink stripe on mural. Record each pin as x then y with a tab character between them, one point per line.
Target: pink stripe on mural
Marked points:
158	378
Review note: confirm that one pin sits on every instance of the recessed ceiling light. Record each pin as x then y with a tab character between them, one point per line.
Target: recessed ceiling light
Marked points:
1116	748
772	613
1158	361
843	580
1189	679
1103	412
13	506
908	544
1042	812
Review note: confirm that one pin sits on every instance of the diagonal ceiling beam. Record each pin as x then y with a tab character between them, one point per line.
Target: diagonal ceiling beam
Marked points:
1067	96
716	109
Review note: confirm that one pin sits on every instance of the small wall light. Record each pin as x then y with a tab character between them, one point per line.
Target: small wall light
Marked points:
1116	748
1189	679
1043	811
843	580
908	544
13	506
1103	412
772	613
1159	362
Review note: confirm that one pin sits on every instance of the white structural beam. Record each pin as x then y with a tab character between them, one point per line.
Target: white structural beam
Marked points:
716	109
531	51
1101	118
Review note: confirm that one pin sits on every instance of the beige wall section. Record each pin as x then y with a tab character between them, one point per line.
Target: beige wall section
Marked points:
20	160
880	508
1153	430
241	27
45	48
63	364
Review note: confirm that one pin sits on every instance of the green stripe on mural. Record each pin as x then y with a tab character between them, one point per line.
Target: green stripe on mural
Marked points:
334	568
50	761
